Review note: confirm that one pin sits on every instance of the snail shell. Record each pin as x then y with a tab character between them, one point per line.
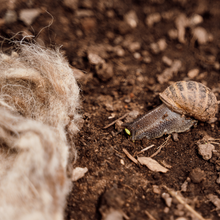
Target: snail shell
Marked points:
191	99
180	99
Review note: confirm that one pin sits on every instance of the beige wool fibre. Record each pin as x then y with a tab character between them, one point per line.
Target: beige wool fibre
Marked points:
33	180
39	84
39	105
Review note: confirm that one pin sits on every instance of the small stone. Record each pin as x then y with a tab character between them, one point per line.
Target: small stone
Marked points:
217	65
137	55
195	20
152	19
10	16
201	35
154	48
162	44
95	59
147	59
218	180
29	15
166	210
197	175
156	189
78	173
122	162
119	51
72	4
173	34
105	71
166	60
113	215
134	46
131	19
193	73
175	136
165	76
158	47
181	218
167	199
205	150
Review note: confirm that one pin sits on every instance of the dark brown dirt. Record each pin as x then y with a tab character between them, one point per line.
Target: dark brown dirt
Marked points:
113	182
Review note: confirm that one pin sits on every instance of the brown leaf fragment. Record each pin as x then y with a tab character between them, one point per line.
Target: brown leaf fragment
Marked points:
152	164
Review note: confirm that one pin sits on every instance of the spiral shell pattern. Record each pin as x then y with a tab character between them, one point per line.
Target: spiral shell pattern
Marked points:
192	99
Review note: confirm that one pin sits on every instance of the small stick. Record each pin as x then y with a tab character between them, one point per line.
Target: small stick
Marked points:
180	200
149	215
122	117
145	149
161	146
129	156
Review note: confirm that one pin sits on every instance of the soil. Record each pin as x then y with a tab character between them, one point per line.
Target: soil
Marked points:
121	77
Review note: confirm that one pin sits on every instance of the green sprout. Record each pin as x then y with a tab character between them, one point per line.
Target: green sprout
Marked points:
127	131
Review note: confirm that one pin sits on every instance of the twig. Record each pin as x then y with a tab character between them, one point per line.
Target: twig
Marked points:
107	126
149	215
180	200
161	146
129	156
145	149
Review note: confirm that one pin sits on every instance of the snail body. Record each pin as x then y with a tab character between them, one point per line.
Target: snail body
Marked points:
182	99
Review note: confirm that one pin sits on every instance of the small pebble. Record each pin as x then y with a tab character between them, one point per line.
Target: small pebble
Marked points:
131	19
105	71
197	175
200	34
166	210
167	199
147	59
166	60
193	73
78	173
205	150
122	162
152	19
72	4
162	44
173	34
137	55
175	136
29	15
156	189
113	215
95	59
134	46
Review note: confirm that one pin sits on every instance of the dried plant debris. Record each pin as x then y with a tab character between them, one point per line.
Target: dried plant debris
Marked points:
39	84
215	200
33	161
152	164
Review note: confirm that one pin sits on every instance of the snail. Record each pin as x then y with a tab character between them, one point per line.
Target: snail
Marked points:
183	104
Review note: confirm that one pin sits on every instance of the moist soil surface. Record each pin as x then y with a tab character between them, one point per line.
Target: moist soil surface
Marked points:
127	52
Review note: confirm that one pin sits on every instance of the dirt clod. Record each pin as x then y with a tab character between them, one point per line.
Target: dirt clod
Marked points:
197	175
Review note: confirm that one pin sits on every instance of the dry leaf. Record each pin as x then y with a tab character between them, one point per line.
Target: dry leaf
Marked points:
152	164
